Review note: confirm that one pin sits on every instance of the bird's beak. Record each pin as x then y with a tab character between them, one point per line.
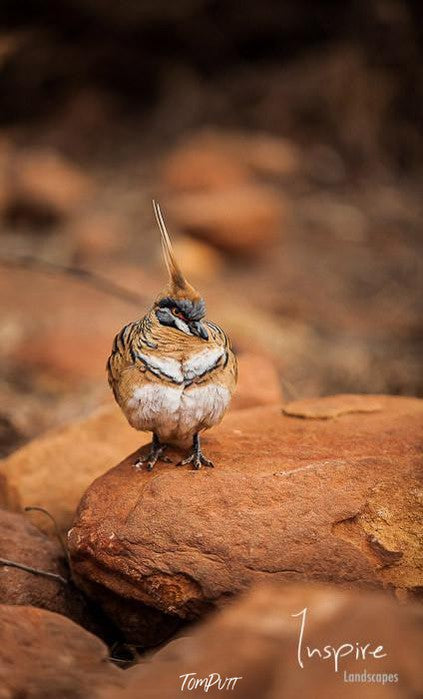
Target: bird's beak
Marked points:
198	329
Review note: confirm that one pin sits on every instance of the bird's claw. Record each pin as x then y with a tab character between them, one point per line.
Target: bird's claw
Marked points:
197	460
155	455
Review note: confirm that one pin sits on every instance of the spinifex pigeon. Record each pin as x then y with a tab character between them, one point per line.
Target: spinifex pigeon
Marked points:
172	372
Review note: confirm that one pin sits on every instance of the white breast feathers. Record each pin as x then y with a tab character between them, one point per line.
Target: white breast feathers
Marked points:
175	414
202	363
185	371
177	408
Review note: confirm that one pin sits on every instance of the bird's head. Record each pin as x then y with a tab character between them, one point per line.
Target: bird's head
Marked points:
179	306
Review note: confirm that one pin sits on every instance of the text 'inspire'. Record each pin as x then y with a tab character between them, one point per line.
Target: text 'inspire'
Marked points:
354	650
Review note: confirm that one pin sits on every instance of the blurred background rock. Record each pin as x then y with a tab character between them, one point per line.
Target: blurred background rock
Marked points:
284	143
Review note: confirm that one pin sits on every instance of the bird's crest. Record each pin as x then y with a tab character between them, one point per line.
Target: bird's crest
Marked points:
178	286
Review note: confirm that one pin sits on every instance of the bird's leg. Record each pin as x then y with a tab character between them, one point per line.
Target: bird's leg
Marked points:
196	457
155	454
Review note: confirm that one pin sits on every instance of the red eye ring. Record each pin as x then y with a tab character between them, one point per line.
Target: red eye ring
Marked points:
176	312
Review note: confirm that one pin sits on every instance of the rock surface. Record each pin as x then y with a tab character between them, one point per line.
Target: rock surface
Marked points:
290	499
53	471
332	406
256	639
22	542
43	655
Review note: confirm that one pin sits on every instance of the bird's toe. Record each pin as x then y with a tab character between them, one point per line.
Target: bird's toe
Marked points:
197	461
207	462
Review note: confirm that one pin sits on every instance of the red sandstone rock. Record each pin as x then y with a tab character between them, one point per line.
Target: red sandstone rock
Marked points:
215	196
43	182
22	542
199	260
267	154
218	160
243	219
53	470
332	406
65	327
97	235
290	499
43	654
204	162
258	382
256	639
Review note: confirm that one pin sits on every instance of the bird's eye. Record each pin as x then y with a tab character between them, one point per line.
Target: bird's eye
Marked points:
176	312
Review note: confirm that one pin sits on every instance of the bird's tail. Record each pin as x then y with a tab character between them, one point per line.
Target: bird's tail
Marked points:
177	279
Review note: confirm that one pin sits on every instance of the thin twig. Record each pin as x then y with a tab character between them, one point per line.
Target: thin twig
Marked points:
84	276
35	571
34	508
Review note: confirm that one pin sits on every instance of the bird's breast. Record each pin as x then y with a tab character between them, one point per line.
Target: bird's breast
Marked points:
176	397
176	413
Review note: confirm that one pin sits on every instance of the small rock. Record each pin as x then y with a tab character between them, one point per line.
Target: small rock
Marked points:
268	155
198	259
45	185
256	640
54	470
332	406
217	160
243	220
205	162
64	353
289	499
97	235
43	654
258	382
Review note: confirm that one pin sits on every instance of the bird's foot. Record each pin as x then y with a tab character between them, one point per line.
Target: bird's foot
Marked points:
155	454
197	460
